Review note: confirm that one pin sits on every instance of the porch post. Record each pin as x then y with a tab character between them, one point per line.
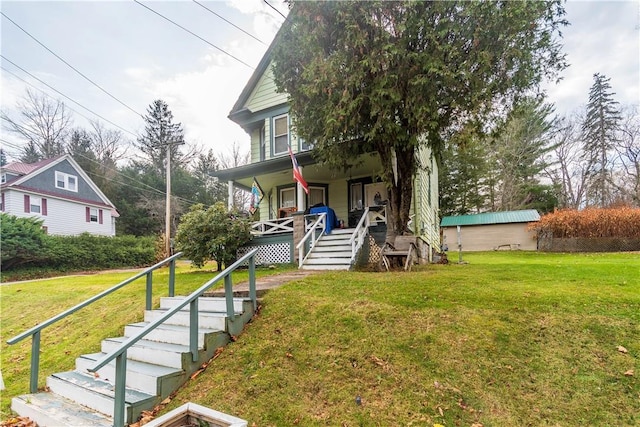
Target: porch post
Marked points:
301	199
230	187
298	233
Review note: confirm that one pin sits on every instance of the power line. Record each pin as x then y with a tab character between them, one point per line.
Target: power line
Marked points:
229	22
195	35
62	94
268	4
71	66
43	92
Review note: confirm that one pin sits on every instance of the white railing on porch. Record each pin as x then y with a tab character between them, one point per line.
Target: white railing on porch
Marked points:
315	231
376	214
360	233
272	226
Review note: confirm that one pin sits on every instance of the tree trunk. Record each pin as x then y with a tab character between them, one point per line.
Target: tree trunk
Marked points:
400	188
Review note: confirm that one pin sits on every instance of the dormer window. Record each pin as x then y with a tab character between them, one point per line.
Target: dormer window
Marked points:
66	181
280	134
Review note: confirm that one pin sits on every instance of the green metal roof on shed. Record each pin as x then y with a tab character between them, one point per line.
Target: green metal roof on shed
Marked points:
508	217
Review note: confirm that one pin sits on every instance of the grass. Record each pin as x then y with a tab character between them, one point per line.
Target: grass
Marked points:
509	339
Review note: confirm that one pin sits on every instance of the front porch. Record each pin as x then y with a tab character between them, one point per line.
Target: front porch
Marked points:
307	241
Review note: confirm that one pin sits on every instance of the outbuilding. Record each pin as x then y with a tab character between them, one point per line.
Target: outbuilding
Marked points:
490	231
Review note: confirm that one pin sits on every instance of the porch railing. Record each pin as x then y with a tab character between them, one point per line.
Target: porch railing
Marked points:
273	226
314	232
120	353
34	332
359	234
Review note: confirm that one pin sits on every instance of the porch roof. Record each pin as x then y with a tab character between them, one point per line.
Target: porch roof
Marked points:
250	170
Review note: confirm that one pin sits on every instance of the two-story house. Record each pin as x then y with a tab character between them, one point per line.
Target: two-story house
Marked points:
264	114
60	193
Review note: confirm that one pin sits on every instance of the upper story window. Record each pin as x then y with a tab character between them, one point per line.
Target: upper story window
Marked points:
305	145
66	181
280	134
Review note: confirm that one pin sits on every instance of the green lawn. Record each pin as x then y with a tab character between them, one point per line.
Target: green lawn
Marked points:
509	339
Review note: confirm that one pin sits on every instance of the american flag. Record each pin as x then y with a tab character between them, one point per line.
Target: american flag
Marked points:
297	173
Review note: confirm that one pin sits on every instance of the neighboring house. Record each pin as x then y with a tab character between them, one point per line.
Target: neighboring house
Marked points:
58	192
490	231
264	114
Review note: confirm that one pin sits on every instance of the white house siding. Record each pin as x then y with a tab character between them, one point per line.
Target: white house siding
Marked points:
489	237
425	201
265	93
63	217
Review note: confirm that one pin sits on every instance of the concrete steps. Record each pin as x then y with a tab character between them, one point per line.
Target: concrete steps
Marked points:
156	366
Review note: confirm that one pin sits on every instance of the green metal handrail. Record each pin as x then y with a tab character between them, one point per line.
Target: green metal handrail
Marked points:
35	331
120	353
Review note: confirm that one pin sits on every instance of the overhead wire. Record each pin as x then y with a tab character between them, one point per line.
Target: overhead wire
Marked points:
229	22
195	35
42	91
70	66
272	7
62	94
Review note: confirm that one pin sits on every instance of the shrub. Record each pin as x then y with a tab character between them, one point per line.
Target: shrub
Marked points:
213	233
25	245
590	223
23	241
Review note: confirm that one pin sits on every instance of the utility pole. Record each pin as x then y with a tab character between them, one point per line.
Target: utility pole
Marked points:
167	218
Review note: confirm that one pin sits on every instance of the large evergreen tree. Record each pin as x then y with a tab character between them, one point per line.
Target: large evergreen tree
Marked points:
517	155
161	134
599	134
390	77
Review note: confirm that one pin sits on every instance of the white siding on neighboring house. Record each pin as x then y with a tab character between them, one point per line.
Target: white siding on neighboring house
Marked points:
62	217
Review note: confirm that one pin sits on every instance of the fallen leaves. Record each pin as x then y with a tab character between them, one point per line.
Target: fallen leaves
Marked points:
623	350
19	422
629	373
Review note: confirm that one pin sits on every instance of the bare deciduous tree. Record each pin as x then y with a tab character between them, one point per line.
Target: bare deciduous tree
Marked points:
43	123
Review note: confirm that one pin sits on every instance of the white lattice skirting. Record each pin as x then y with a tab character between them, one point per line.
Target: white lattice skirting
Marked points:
272	253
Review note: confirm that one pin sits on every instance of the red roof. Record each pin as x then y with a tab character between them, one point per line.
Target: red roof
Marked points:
27	168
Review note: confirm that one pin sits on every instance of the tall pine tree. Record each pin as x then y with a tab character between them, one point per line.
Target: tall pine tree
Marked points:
161	134
599	135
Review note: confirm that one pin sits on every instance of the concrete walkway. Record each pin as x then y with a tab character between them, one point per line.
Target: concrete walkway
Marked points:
263	284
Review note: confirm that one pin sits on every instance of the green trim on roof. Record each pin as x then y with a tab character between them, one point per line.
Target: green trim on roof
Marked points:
529	215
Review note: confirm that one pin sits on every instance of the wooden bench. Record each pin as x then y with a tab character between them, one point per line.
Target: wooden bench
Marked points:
402	247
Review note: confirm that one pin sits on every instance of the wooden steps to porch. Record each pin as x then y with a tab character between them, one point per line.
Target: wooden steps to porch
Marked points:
331	252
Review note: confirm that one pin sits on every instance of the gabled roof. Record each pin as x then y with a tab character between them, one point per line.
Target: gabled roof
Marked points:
29	170
254	79
508	217
26	168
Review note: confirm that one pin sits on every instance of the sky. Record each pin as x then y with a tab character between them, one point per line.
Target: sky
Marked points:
137	57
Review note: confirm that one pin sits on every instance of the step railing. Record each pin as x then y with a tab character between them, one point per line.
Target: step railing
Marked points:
120	353
34	332
312	236
359	234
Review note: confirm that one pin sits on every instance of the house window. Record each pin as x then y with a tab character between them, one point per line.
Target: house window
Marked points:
3	178
280	134
2	202
317	195
35	205
288	197
356	196
93	215
304	145
66	181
